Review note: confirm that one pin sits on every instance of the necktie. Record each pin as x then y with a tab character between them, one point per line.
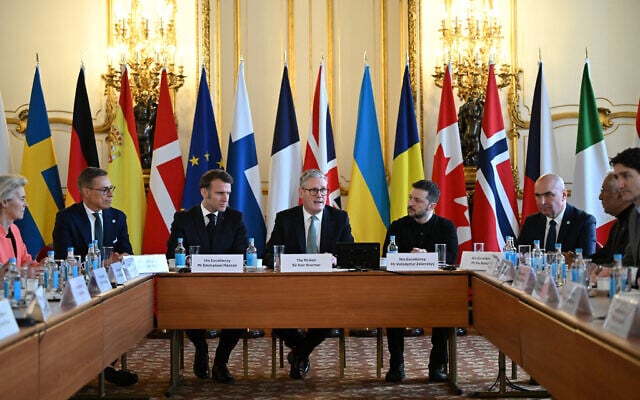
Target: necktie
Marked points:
312	236
211	226
550	244
98	229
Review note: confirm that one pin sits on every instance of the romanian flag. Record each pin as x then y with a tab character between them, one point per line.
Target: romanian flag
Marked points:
125	170
407	154
39	166
82	150
368	205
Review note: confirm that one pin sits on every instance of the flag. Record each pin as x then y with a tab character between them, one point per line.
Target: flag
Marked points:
541	150
407	154
495	211
166	176
5	154
448	168
40	167
125	170
320	152
286	157
204	151
592	163
242	164
368	205
637	118
82	150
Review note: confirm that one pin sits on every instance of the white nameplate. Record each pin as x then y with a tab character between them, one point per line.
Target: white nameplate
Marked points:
541	278
8	324
151	263
525	279
480	261
549	293
99	282
320	262
39	308
623	317
217	263
577	301
116	273
75	293
412	262
130	267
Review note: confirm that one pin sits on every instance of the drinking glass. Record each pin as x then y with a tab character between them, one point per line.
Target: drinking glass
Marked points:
107	253
441	249
192	250
478	247
524	254
278	250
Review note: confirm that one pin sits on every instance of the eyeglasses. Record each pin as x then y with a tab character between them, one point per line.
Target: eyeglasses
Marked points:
316	191
105	190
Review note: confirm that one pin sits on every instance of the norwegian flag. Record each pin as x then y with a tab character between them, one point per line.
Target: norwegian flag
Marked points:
495	211
448	168
320	152
166	180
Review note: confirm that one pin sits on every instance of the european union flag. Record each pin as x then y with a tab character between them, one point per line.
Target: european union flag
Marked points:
204	151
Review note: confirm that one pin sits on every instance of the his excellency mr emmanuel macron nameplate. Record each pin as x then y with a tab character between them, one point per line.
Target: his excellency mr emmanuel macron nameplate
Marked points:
217	262
305	262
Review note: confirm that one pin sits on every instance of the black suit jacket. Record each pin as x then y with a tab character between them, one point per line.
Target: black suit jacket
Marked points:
577	230
73	229
289	231
230	236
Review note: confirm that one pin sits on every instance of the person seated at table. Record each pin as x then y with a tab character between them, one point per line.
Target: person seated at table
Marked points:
613	204
12	205
558	221
217	229
417	232
307	228
93	218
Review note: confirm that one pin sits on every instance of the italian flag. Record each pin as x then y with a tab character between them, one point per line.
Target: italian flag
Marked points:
592	163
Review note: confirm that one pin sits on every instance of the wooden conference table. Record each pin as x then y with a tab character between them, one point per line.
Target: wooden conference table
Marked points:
53	360
319	300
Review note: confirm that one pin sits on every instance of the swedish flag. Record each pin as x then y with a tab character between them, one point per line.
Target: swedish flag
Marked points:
39	166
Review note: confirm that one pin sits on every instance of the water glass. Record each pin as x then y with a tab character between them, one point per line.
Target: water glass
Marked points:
107	253
524	254
441	250
192	250
478	247
278	250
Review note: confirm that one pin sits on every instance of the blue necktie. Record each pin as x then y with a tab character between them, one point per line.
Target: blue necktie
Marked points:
98	229
550	243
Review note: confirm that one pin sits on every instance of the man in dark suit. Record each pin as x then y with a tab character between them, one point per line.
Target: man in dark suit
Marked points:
309	228
217	229
557	221
93	219
79	224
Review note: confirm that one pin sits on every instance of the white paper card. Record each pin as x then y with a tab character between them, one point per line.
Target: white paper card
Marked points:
130	267
39	309
217	263
412	262
577	300
99	282
525	279
8	324
151	263
481	260
505	271
549	293
623	317
541	278
320	262
116	273
75	292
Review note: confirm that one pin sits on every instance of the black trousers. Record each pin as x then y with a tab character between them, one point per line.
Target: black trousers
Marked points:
439	353
228	340
300	342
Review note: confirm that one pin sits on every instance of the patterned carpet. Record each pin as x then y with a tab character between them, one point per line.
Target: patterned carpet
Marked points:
477	370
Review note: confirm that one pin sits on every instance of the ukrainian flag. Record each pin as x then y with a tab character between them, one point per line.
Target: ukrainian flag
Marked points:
368	205
407	155
39	166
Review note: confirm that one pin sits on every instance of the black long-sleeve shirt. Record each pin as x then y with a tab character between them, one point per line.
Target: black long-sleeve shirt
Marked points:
410	234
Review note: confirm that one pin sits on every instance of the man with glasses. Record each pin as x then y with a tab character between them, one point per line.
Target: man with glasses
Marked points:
557	221
91	219
307	228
